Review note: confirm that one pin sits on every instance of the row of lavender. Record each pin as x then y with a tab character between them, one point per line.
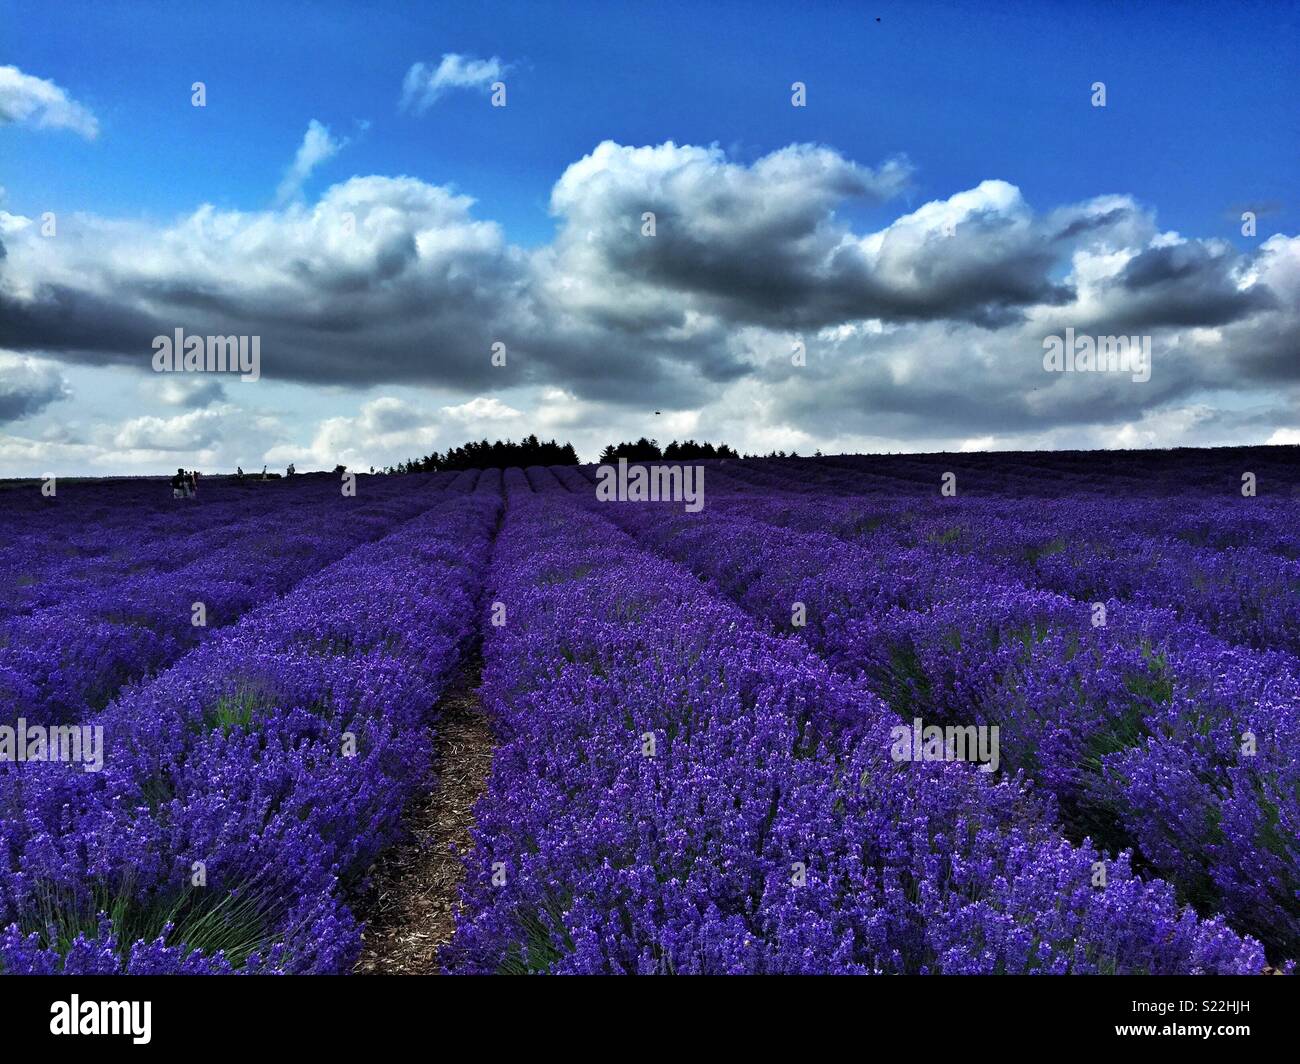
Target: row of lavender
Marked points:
88	534
1149	731
683	786
1229	564
107	626
678	790
87	540
1039	474
246	791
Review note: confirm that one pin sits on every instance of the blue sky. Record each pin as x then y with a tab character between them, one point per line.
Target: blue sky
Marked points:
1200	124
1198	117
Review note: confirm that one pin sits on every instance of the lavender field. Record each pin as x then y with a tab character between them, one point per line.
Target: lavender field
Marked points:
694	718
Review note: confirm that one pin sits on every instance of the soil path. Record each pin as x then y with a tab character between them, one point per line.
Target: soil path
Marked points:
416	885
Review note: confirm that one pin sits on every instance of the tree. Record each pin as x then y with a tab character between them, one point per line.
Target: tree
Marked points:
642	451
691	449
480	454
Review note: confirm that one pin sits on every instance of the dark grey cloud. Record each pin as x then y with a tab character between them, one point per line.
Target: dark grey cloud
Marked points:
77	325
394	281
762	244
28	386
1094	223
1191	283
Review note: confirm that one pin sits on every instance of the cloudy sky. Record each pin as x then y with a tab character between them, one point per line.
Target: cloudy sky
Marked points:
875	270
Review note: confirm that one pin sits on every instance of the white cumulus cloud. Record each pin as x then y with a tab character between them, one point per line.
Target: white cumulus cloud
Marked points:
317	146
41	103
425	84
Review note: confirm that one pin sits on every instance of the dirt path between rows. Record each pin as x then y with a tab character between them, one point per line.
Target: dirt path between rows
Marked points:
416	886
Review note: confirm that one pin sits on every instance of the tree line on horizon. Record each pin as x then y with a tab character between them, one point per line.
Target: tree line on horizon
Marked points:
499	454
644	450
531	451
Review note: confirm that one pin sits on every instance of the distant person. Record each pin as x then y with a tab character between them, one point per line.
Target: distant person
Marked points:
194	482
290	471
239	472
263	472
179	485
